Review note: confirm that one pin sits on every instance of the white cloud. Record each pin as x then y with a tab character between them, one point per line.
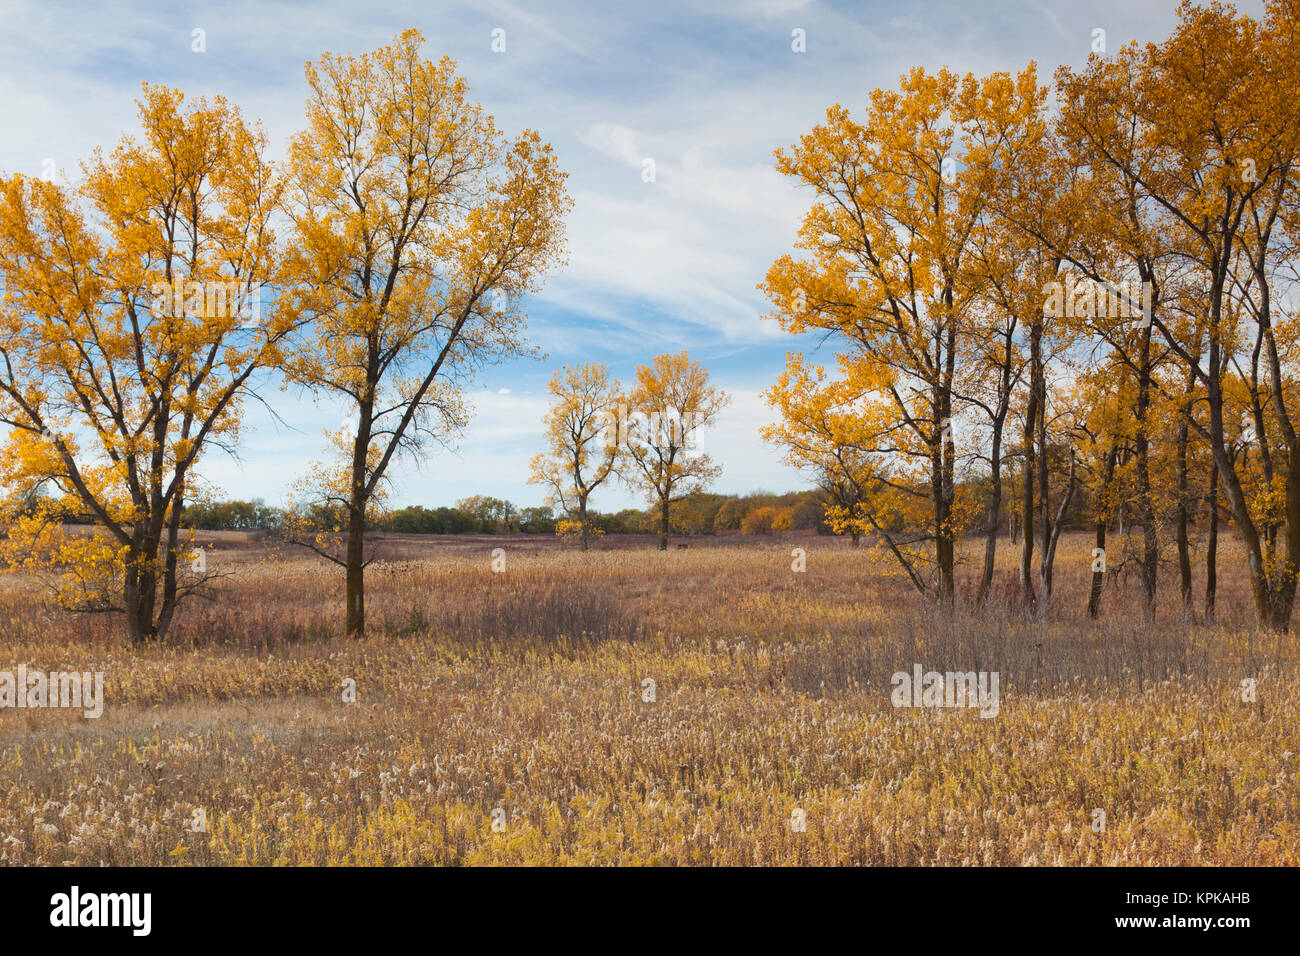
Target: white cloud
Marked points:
615	141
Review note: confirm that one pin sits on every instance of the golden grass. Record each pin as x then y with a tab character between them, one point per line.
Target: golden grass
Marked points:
523	691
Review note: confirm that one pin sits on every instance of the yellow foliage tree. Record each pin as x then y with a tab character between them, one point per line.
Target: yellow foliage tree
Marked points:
582	440
759	521
671	401
418	230
129	337
887	276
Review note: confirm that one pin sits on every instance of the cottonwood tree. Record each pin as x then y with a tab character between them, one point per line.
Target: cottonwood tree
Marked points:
128	344
671	401
1165	199
887	278
582	439
418	230
1034	196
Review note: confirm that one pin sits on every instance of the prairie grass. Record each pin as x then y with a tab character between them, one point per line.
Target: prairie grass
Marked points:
524	692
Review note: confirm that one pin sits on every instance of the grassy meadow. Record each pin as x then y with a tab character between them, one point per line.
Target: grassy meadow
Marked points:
507	717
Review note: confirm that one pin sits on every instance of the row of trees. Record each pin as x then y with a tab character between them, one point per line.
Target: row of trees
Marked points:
698	512
701	512
1045	293
232	516
396	243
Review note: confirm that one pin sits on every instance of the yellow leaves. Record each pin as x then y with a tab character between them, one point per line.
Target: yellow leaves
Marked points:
569	528
672	400
120	336
31	458
82	567
888	232
767	520
846	426
583	435
418	227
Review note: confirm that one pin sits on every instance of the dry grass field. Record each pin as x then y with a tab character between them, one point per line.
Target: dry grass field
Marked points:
520	698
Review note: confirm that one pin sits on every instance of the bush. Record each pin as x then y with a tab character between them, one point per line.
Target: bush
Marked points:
783	520
730	515
759	521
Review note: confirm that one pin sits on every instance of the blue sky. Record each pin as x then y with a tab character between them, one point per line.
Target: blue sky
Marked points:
706	89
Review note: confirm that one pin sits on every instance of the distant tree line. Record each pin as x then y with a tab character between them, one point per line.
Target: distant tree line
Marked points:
758	513
232	516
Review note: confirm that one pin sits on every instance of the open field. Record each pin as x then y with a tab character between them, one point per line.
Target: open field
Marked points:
524	691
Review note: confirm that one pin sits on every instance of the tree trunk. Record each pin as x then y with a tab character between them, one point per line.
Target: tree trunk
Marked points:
1181	518
1273	598
1099	526
1049	546
944	550
995	513
1146	509
354	560
170	561
139	596
1027	589
1032	413
1285	589
1245	524
355	571
663	523
1098	576
946	534
1212	545
1044	491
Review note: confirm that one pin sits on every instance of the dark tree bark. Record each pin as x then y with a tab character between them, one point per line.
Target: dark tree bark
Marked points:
1099	527
664	525
1212	544
1033	411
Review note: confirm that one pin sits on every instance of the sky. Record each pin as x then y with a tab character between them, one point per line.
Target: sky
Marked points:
706	89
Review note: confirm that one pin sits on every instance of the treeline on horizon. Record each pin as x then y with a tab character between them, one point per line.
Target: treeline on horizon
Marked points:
758	512
700	513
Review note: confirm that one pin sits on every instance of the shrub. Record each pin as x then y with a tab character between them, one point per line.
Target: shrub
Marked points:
759	521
